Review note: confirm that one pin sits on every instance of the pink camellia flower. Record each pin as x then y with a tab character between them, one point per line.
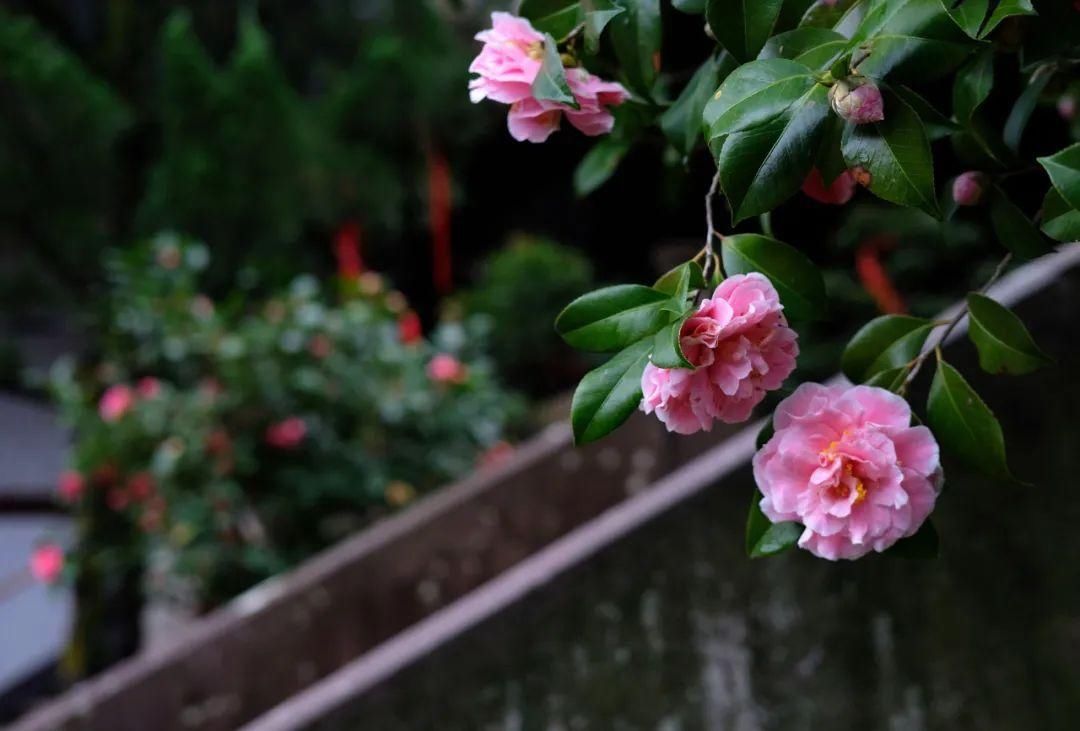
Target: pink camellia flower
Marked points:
286	434
70	486
846	463
47	562
115	402
508	64
857	100
445	368
837	193
148	388
741	347
968	188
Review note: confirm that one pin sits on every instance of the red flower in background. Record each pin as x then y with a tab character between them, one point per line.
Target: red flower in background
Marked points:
148	388
70	486
286	434
115	402
140	486
874	278
347	250
445	368
410	330
836	193
46	563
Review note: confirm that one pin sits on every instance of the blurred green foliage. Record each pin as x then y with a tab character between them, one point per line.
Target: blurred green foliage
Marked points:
255	127
522	288
209	382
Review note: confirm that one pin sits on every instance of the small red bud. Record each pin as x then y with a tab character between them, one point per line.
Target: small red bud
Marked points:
968	188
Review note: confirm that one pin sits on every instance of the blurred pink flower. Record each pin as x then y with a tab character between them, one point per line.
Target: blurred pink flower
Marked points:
70	486
495	455
410	329
115	402
148	388
968	188
286	434
508	64
847	464
47	562
837	193
445	368
741	347
320	346
140	486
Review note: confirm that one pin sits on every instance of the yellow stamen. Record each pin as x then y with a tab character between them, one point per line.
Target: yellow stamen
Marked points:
860	492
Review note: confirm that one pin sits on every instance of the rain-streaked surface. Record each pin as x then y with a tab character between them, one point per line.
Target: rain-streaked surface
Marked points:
673	628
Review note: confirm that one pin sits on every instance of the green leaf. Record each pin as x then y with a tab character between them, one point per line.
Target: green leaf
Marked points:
682	120
1013	229
963	424
754	93
924	545
742	26
667	346
885	343
1025	105
797	280
1060	221
815	48
1004	344
550	83
908	41
677	302
555	17
936	124
599	165
671	282
830	157
1064	171
635	34
1006	9
607	395
764	538
762	166
595	22
828	13
612	318
968	14
896	154
974	82
891	379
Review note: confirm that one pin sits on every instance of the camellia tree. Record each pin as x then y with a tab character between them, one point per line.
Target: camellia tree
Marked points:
823	96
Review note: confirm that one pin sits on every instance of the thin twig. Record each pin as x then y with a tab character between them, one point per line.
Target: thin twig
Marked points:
917	364
710	233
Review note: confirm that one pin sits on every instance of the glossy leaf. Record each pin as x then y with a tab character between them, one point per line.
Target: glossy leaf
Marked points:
1004	344
742	26
827	13
763	166
681	122
764	538
667	347
1060	221
691	7
556	17
550	83
963	424
974	82
890	379
754	93
1064	171
1013	229
968	14
936	124
1025	106
670	283
612	318
608	395
797	280
815	48
595	22
909	41
896	154
599	164
1006	9
885	343
635	35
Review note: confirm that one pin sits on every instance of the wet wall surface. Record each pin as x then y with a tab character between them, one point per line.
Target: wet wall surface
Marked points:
673	628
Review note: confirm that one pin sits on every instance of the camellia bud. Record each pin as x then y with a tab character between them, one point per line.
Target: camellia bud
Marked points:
1066	107
968	188
857	100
